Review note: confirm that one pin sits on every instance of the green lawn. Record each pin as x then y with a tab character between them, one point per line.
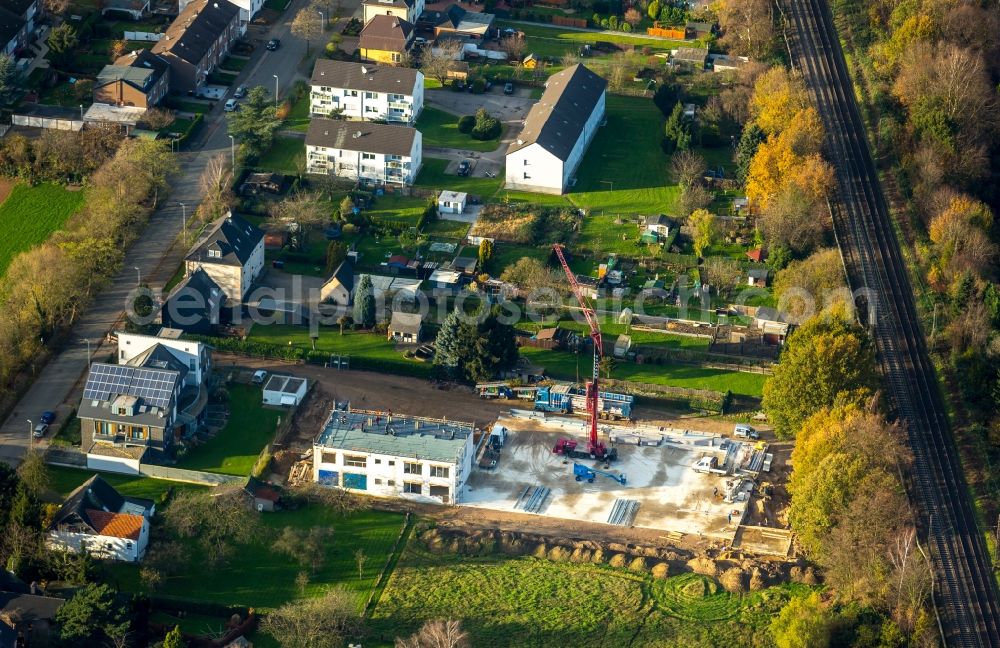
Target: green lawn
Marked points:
603	234
562	365
298	117
31	214
440	129
234	450
448	229
432	176
64	480
611	330
287	155
624	171
546	200
398	208
504	601
506	254
555	41
261	578
372	347
192	106
234	63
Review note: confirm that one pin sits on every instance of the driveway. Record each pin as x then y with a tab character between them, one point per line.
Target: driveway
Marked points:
510	108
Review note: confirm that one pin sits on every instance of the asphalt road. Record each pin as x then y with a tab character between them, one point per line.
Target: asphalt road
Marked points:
62	373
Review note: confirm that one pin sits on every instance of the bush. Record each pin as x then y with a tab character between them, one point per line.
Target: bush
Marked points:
479	85
487	126
466	123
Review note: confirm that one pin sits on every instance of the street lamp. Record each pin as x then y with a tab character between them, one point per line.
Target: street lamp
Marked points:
81	111
323	18
232	151
184	218
275	90
31	428
87	340
138	276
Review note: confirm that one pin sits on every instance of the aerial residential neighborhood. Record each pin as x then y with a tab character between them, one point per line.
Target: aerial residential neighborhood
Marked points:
422	324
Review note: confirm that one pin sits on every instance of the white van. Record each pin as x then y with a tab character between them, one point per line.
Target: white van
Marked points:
745	432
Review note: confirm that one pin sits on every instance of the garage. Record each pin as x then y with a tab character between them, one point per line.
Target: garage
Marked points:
285	391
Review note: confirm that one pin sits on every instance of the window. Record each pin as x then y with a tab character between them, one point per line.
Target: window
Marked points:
395	57
191	365
527	177
123	354
412	468
391	482
328	457
392	463
526	163
371	109
439	471
378	482
355	461
378	461
371	95
215	254
137	432
350	93
413	487
367	156
128	545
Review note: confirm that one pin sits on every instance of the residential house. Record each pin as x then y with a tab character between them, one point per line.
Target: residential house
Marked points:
339	287
694	57
405	327
136	9
265	496
95	518
232	254
657	227
139	79
376	154
408	10
284	391
456	21
27	618
757	277
197	41
366	92
194	305
389	455
248	9
452	202
385	39
557	132
137	407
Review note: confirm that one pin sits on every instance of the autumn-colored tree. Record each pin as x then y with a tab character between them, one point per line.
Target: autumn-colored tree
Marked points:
747	27
633	17
118	49
804	622
703	230
778	96
961	243
812	285
827	360
792	220
918	30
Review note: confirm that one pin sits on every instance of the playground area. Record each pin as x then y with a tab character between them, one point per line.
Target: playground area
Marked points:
662	490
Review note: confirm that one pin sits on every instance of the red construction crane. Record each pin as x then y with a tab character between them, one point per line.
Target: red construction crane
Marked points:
595	447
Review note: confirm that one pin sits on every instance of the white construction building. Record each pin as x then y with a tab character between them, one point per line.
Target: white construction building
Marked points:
375	153
557	132
388	455
366	92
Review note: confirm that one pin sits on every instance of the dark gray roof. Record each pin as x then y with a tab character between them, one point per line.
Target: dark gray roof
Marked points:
364	76
657	219
159	357
406	322
198	282
17	7
142	70
386	33
196	29
387	139
28	607
757	273
154	388
454	15
555	122
692	54
93	494
344	274
11	25
233	238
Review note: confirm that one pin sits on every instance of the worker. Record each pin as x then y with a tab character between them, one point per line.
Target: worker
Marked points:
715	492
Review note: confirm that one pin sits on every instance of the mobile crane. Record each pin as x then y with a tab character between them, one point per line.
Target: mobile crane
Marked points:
596	449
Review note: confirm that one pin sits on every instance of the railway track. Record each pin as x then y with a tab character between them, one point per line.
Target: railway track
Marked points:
965	591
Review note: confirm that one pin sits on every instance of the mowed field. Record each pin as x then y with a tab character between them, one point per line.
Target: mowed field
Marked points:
29	215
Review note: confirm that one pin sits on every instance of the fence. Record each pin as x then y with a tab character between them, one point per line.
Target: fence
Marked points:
143	36
190	476
568	22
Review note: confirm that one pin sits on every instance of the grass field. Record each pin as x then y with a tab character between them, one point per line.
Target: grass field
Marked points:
370	346
298	117
533	602
30	214
64	480
440	129
507	254
432	176
288	155
264	579
398	208
234	450
556	41
450	229
563	365
612	330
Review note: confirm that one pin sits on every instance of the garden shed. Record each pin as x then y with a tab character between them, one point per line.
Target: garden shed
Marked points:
285	391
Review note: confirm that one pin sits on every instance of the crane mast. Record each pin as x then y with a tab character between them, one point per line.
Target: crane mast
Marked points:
596	448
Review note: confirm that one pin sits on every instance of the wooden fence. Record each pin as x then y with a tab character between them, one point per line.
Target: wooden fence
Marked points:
566	21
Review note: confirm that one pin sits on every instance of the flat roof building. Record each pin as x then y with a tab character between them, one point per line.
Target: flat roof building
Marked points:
389	455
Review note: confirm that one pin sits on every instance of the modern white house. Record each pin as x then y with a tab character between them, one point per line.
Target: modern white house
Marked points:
366	92
408	10
452	202
134	348
286	391
232	254
388	455
95	518
557	132
377	154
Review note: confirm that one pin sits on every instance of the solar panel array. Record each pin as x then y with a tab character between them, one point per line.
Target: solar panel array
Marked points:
155	387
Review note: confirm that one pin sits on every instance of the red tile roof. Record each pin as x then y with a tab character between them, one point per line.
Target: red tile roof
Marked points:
116	525
757	255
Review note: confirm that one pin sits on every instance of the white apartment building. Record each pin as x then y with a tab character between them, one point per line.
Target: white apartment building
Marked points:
387	455
557	132
408	10
366	92
373	153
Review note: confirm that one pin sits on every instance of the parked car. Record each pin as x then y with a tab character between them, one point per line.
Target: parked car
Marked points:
40	430
48	417
273	44
746	432
508	88
240	92
463	168
419	41
259	376
231	105
706	465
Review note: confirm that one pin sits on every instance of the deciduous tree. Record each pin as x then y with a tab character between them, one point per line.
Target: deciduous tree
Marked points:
438	633
323	622
687	168
748	27
10	80
804	622
307	25
485	252
703	230
528	274
812	285
217	523
514	45
438	61
299	213
777	97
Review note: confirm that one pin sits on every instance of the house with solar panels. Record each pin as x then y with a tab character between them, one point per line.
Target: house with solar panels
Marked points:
97	519
557	132
131	412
